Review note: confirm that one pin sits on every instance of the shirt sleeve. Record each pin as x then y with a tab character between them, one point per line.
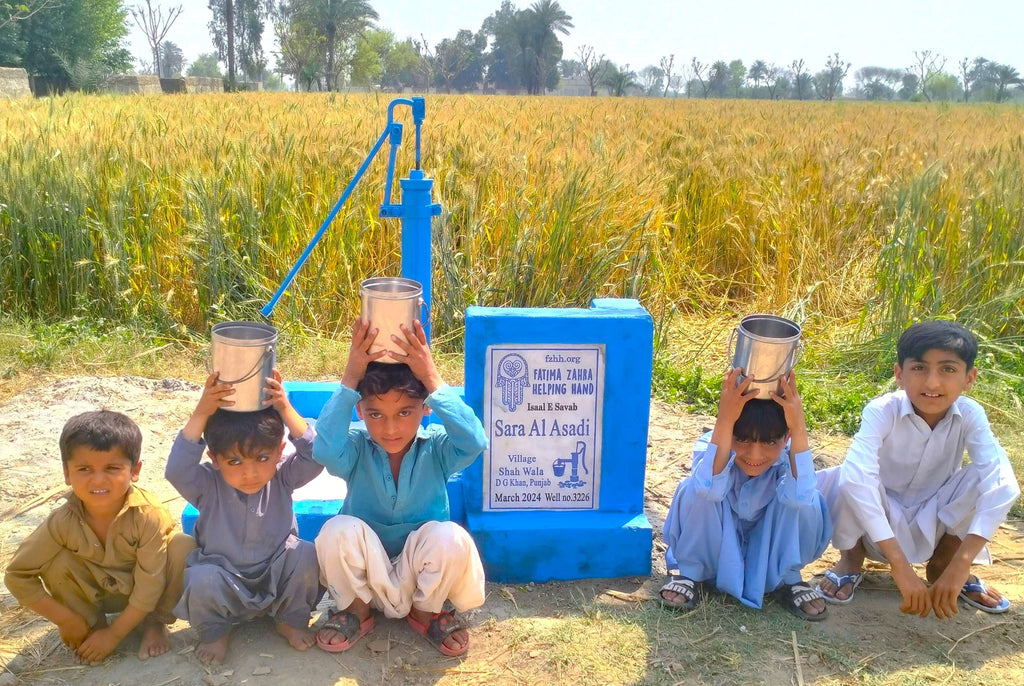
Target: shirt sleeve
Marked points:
335	446
24	573
463	438
150	573
301	468
799	490
185	472
710	486
998	488
858	476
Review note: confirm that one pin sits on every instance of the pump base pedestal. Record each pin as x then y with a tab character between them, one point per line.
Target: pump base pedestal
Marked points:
544	546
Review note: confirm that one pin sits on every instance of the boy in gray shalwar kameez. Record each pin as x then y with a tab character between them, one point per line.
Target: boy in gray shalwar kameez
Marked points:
248	560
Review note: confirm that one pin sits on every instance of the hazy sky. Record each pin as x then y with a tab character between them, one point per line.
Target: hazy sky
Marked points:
640	32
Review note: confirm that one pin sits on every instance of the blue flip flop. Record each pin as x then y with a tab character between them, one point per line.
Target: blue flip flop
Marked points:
978	586
840	581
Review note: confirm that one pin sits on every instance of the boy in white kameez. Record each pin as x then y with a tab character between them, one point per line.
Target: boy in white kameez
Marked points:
903	494
393	548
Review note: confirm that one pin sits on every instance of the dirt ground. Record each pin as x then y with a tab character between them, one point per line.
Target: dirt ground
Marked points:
533	633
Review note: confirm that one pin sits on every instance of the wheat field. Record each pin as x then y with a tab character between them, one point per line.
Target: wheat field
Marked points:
185	210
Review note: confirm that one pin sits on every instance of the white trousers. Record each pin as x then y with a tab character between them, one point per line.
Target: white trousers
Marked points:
917	528
439	562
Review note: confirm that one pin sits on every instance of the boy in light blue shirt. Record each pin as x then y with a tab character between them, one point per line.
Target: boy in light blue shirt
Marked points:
749	517
392	547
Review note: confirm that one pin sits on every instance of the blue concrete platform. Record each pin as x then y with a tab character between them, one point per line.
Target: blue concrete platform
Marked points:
309	514
544	546
531	542
308	398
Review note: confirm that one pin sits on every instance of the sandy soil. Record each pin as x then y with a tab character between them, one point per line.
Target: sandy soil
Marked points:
31	484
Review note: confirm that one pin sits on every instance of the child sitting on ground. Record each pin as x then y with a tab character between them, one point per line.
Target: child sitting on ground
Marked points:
249	560
903	494
749	517
109	548
392	547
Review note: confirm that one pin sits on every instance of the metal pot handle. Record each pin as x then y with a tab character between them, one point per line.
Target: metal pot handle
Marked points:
423	308
248	375
790	361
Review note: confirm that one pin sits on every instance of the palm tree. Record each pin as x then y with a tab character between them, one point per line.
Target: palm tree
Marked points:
337	21
619	81
757	73
543	19
1004	76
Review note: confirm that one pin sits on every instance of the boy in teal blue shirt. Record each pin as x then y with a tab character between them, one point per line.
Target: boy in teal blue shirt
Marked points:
392	547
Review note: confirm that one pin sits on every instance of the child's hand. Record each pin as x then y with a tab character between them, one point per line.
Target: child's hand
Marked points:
215	396
359	354
73	631
417	356
946	590
734	397
278	399
794	413
276	396
790	401
98	645
917	599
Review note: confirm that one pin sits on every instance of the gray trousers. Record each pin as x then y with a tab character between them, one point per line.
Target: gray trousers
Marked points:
217	597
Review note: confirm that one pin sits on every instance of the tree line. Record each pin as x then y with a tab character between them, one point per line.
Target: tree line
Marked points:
333	44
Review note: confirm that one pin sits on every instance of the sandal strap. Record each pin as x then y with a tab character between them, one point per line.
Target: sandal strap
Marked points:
681	585
802	593
841	580
444	624
344	622
976	586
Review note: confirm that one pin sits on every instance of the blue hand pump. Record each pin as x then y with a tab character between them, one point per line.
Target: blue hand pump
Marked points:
415	211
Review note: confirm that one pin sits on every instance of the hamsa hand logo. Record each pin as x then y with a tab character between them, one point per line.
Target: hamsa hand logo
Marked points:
513	377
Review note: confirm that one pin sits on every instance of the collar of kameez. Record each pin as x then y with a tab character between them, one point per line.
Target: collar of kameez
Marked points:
132	499
907	407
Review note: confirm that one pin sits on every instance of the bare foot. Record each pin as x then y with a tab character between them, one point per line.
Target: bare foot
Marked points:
83	661
830	590
851	562
213	653
155	640
330	638
300	639
457	641
814	607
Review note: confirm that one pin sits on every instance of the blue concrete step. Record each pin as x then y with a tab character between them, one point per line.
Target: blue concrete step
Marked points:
312	514
541	546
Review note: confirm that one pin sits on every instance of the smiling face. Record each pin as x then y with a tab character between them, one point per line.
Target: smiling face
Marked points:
100	478
248	470
934	382
755	457
392	420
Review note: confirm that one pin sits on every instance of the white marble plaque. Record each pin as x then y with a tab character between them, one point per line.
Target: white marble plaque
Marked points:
542	411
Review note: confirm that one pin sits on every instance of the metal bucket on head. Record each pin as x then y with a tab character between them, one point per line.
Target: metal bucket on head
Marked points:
767	348
244	353
387	302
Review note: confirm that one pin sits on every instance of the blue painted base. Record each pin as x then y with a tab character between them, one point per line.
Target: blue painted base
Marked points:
543	546
309	514
312	514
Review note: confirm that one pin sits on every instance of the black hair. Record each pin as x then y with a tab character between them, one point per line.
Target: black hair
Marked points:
247	430
937	334
761	420
101	430
383	377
